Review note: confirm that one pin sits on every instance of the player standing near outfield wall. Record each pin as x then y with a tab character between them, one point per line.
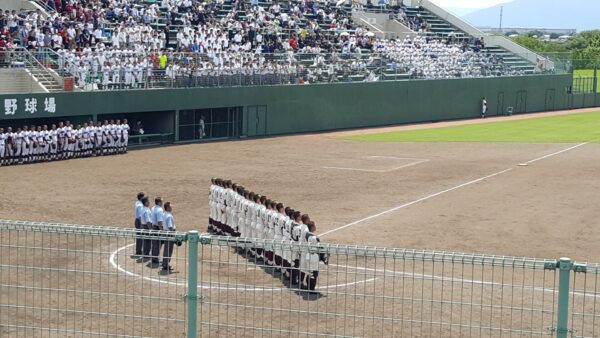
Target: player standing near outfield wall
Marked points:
484	107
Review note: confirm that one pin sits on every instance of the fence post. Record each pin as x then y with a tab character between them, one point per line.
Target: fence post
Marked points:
192	283
595	79
562	324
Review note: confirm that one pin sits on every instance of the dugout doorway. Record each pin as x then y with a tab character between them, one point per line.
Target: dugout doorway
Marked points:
209	124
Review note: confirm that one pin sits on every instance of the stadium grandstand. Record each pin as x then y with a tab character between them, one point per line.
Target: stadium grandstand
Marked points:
107	45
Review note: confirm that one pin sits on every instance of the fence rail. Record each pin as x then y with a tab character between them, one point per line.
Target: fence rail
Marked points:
61	279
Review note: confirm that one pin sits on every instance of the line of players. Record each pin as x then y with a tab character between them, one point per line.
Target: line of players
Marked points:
235	211
63	141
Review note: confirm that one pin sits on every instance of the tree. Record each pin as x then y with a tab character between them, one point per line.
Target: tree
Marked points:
584	46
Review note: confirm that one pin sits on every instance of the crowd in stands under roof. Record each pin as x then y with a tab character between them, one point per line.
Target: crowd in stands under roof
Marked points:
104	42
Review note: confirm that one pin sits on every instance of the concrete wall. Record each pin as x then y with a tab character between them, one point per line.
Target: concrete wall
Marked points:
382	26
319	107
17	4
18	80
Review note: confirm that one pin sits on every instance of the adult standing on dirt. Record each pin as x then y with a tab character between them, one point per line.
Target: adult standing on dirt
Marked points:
138	210
169	226
147	225
157	224
310	261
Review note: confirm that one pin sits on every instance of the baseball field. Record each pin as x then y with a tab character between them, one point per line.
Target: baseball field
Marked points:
509	186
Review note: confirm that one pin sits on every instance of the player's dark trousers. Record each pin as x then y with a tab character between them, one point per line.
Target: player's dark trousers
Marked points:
139	242
312	280
167	253
156	244
295	272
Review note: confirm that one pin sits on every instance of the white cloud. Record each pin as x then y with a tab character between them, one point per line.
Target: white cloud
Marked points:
469	3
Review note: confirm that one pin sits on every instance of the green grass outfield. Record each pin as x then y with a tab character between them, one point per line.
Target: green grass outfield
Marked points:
584	73
581	127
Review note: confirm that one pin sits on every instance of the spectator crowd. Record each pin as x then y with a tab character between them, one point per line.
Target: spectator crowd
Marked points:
133	44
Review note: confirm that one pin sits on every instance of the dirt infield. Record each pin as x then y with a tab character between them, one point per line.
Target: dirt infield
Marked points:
520	212
466	197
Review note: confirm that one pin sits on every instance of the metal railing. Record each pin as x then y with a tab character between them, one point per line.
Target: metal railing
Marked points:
58	279
38	65
150	139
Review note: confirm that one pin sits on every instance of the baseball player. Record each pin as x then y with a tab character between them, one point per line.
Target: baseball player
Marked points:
299	230
124	136
53	143
243	213
212	203
279	219
34	136
27	143
46	139
484	107
287	239
78	146
104	129
310	259
70	136
3	142
37	154
85	140
251	220
61	140
10	146
268	231
138	210
18	146
112	133
259	229
157	224
169	226
97	136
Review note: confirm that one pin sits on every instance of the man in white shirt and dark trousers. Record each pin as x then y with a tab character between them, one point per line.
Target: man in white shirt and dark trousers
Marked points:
138	210
146	225
169	226
157	224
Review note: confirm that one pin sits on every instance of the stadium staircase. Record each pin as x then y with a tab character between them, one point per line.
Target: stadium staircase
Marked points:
39	75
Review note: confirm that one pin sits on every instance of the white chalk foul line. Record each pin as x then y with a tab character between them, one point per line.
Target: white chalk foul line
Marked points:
113	262
553	154
416	201
379	170
251	288
449	190
415	162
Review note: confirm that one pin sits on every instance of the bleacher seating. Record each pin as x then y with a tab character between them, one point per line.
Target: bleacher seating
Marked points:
322	44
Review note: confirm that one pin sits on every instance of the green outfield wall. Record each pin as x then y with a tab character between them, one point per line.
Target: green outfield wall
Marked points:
276	110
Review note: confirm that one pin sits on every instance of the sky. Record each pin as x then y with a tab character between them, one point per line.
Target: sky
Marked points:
463	7
469	3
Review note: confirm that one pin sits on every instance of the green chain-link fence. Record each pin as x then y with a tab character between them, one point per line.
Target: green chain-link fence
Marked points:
70	280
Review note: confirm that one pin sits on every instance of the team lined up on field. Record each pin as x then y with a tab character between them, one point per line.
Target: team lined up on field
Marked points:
234	211
63	141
